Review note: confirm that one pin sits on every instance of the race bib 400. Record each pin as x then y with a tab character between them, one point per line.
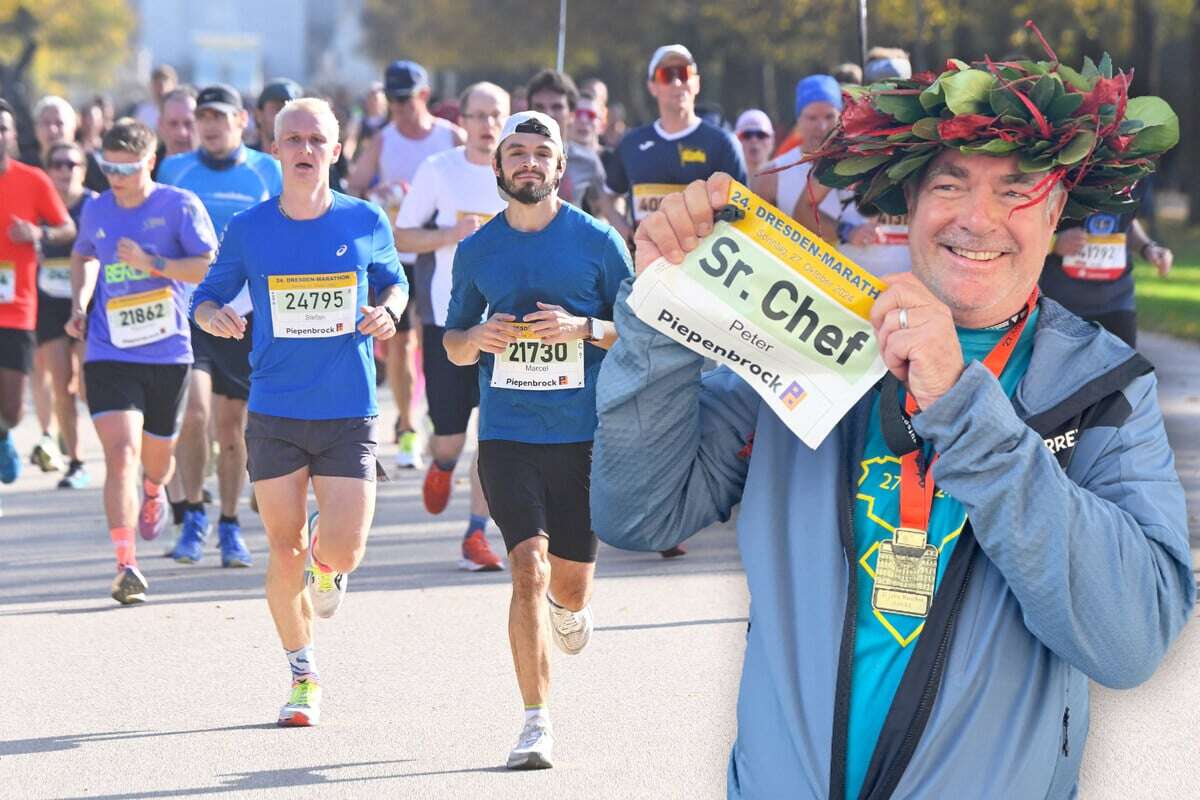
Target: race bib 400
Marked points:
533	365
313	306
770	300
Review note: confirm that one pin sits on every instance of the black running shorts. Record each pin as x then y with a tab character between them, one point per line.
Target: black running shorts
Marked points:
156	390
540	490
226	360
53	314
451	391
16	350
339	448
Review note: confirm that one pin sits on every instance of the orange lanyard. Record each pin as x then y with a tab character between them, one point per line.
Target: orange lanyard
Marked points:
916	486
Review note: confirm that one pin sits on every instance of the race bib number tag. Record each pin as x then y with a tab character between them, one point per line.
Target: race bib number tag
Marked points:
143	318
530	364
8	282
893	234
313	306
771	301
1101	259
648	196
54	278
905	574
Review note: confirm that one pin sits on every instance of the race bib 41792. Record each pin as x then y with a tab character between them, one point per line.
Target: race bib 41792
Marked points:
770	300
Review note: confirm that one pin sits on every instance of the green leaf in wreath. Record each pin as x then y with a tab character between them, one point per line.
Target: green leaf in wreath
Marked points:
1004	103
967	92
1043	92
1030	163
926	128
1089	72
1063	107
907	165
1074	79
995	147
906	108
1079	147
857	166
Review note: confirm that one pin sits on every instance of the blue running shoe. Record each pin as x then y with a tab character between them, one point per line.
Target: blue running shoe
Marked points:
10	460
234	552
190	547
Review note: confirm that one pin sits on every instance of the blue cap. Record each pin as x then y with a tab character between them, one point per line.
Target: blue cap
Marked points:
402	78
818	88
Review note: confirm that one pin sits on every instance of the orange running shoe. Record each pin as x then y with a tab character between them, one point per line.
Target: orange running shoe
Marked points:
477	555
436	492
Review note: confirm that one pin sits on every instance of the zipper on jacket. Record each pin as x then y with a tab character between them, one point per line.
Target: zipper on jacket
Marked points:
841	702
930	692
1066	742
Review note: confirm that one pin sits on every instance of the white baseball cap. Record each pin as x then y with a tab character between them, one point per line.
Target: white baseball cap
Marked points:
754	120
532	122
663	52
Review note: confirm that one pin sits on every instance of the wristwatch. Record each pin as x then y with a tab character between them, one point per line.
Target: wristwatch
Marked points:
160	265
392	314
595	330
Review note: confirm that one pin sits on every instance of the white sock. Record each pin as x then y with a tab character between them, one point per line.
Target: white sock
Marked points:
538	712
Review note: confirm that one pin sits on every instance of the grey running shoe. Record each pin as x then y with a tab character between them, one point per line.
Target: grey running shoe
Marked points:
572	629
535	747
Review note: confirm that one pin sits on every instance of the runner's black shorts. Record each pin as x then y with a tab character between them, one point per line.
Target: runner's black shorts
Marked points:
451	391
540	490
226	360
53	314
405	322
339	448
16	350
156	390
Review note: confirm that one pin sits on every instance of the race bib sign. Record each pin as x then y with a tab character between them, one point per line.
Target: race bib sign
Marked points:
530	364
54	278
1101	259
8	282
648	196
143	318
313	306
770	300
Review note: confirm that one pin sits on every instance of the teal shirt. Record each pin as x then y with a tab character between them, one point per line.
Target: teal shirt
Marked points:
884	642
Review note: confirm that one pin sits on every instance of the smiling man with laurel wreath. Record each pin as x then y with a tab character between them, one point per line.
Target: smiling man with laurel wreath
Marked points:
933	586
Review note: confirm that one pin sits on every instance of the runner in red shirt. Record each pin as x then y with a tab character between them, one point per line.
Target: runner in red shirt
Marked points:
30	212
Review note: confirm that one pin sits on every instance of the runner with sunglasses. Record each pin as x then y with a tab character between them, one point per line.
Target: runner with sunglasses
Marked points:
139	244
674	150
31	213
661	158
757	135
58	357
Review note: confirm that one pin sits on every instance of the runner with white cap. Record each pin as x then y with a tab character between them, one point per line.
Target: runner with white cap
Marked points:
757	135
548	275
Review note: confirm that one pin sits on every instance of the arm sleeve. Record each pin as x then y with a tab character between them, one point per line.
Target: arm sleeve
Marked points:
227	275
84	245
196	233
421	200
667	459
384	269
1100	565
616	179
467	303
51	209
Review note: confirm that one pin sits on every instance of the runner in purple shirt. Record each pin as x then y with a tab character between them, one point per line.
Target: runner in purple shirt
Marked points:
140	245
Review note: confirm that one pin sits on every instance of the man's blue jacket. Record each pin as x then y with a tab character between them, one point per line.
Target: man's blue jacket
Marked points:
1075	563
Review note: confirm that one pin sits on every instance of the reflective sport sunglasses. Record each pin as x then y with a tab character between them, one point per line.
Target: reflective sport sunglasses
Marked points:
668	74
586	114
744	135
63	163
121	168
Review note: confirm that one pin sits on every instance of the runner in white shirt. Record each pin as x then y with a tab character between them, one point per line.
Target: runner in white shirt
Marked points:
383	172
459	186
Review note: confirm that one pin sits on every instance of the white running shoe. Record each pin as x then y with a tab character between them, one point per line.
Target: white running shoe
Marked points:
535	747
325	589
408	453
572	629
129	586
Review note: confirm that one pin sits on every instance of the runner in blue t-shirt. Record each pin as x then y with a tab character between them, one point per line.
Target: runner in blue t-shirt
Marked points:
228	177
309	257
548	274
677	148
150	242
